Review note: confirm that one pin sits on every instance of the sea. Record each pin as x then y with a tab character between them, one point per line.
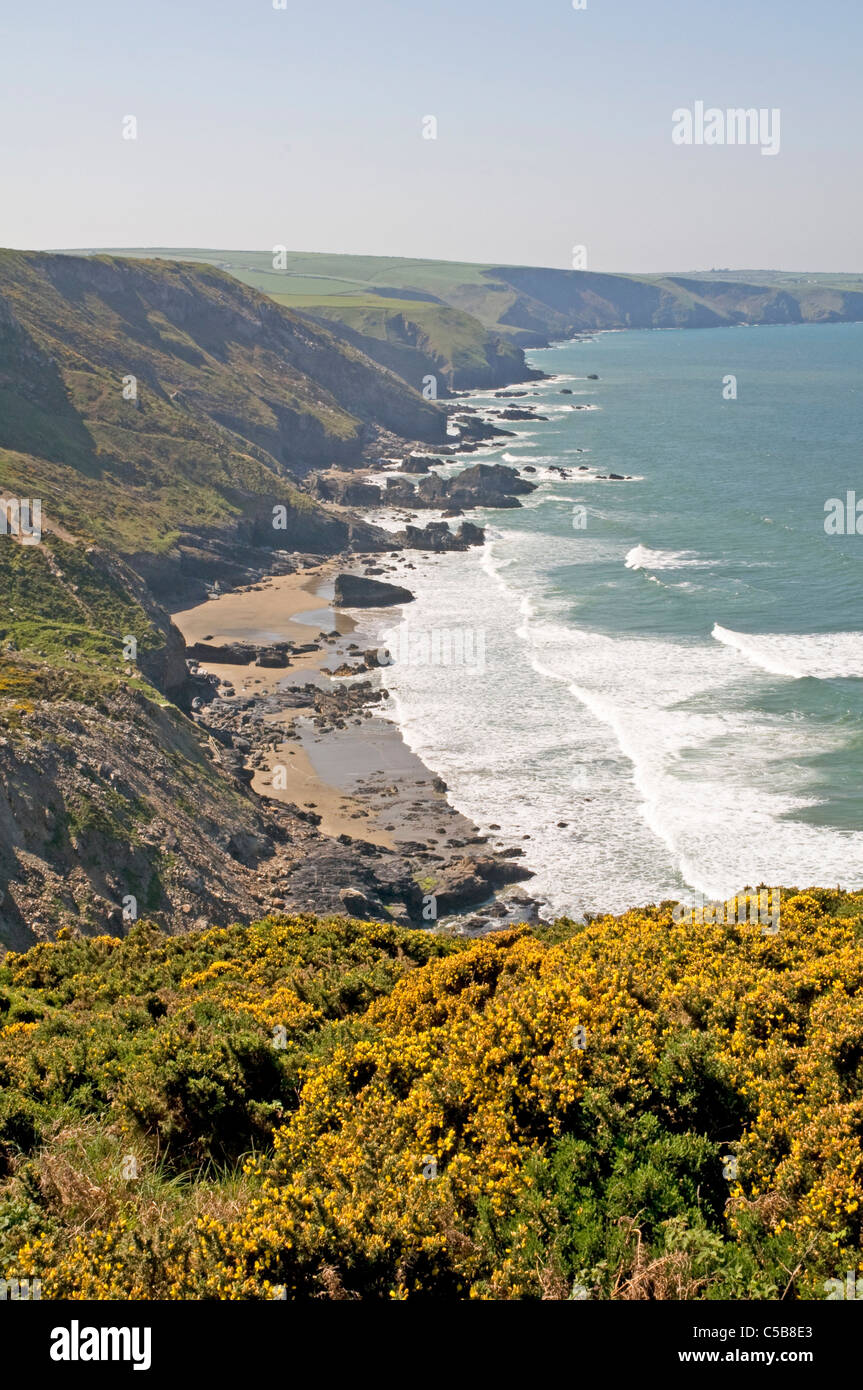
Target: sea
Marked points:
658	688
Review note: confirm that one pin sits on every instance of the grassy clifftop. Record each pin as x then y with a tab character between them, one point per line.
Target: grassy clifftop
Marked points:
520	306
417	338
629	1108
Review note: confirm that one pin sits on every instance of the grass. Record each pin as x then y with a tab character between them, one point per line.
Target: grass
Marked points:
229	394
490	293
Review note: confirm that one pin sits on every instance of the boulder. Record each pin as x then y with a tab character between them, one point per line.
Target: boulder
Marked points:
438	537
356	904
469	881
357	591
249	847
493	477
419	463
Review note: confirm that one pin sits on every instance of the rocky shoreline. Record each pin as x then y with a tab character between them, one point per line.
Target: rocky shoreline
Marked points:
375	837
297	715
370	831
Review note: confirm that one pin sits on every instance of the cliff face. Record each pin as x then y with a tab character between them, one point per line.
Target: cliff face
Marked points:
468	324
161	414
428	339
223	387
165	410
542	303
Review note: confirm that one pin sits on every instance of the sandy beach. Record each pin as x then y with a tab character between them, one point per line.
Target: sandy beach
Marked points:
269	611
323	748
313	772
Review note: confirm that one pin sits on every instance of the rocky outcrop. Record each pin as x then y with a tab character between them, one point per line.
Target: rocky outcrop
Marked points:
356	591
483	485
470	881
347	492
419	463
244	653
490	478
439	538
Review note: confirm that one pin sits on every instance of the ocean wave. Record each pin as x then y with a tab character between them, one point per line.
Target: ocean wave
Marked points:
641	557
636	765
821	655
545	460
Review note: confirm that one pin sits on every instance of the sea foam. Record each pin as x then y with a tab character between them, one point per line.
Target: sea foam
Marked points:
822	655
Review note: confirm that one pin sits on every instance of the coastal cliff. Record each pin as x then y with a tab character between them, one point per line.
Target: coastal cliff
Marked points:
166	417
467	324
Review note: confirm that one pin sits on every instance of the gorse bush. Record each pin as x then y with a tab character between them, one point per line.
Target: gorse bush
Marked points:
629	1108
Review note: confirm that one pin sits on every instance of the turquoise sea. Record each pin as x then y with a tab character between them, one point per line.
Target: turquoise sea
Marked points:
671	696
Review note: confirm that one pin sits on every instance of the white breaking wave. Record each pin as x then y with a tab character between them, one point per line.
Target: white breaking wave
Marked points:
641	557
647	749
632	767
822	655
562	460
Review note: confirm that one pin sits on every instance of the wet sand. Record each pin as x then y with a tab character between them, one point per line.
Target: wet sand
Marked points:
264	612
323	772
340	814
282	608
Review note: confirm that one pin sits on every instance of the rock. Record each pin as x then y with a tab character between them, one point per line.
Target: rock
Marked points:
273	656
356	591
439	538
418	463
526	907
591	376
468	881
356	904
249	847
490	479
240	654
346	492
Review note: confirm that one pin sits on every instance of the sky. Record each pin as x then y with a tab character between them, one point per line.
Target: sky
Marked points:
303	126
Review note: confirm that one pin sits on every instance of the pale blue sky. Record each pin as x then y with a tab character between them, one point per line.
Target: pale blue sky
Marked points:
302	127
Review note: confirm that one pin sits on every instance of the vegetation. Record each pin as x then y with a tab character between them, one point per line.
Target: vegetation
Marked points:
227	393
525	305
630	1107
